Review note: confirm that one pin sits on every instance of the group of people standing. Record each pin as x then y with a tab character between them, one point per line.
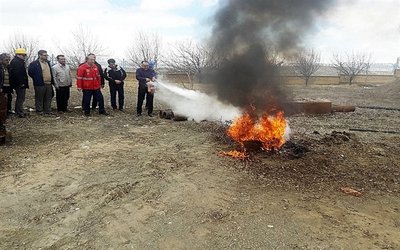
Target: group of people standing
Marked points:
90	79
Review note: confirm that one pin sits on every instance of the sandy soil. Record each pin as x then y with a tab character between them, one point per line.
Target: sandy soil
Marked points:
119	182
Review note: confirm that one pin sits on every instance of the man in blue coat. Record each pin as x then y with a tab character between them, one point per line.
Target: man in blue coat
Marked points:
145	75
43	82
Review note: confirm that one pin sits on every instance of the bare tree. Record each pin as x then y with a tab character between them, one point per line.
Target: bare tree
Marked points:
84	42
351	65
192	59
307	63
396	65
145	47
23	41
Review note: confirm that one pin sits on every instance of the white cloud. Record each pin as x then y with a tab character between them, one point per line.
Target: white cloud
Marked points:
209	3
52	22
361	25
163	5
369	26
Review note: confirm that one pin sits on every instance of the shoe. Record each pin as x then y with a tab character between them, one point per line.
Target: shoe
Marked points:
22	115
104	113
114	108
10	112
87	114
151	115
138	115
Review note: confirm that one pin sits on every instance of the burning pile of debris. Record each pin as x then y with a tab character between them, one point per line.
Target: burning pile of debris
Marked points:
257	133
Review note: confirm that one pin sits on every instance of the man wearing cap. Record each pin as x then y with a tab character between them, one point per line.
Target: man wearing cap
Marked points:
115	76
88	80
19	80
5	80
62	82
42	76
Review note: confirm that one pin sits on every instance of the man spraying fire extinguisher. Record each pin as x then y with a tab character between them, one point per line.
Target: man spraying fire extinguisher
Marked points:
146	78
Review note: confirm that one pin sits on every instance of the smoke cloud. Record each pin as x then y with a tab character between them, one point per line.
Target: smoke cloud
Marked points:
247	35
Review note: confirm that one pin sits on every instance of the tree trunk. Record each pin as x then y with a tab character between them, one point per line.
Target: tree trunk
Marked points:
190	80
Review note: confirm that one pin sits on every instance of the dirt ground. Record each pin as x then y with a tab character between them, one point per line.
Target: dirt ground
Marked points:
119	182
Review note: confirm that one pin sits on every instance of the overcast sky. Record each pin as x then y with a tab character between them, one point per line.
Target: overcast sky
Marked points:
371	26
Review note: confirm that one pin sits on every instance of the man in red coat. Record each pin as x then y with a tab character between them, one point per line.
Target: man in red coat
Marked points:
89	82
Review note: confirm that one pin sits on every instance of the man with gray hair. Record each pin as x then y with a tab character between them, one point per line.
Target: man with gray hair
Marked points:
88	81
42	76
62	82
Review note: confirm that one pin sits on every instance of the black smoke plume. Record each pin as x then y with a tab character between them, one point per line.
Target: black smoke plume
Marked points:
245	36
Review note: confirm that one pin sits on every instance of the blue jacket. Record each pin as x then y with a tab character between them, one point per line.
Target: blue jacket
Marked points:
141	76
35	71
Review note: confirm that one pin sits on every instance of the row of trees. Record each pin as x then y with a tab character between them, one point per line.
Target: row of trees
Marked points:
188	57
348	65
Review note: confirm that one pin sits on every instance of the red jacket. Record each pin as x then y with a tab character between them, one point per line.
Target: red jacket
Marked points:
88	77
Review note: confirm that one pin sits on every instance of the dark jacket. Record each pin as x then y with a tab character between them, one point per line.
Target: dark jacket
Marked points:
141	76
112	75
101	73
6	89
35	71
18	75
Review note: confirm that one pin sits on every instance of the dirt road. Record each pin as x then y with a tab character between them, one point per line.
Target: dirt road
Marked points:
119	182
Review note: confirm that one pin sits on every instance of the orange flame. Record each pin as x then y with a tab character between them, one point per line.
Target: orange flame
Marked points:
236	154
267	129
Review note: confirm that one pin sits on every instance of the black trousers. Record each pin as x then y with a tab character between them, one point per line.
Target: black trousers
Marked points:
19	101
114	89
9	101
94	102
8	91
3	110
142	93
87	96
62	97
